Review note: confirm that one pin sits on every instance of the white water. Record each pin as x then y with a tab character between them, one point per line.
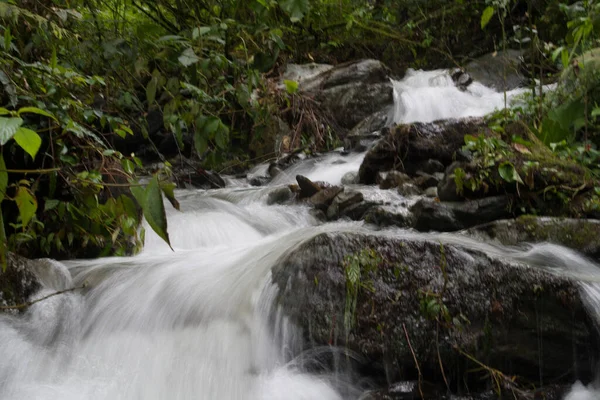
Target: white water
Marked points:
196	323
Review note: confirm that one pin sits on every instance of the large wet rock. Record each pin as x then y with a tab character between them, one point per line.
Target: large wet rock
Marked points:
352	92
498	70
579	234
18	282
410	148
453	304
432	215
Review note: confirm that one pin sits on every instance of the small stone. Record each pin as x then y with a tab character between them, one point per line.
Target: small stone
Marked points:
408	189
350	178
393	179
343	201
431	192
307	187
280	196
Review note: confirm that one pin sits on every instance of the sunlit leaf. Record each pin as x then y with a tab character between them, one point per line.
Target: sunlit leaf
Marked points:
27	204
291	86
29	140
486	16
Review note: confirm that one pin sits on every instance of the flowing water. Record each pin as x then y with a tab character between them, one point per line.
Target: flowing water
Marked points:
196	322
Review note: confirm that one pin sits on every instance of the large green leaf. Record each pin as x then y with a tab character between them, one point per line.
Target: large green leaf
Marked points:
151	201
27	204
29	140
296	9
35	110
8	128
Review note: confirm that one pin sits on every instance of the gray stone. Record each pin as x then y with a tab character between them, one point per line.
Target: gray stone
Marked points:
342	202
280	195
350	178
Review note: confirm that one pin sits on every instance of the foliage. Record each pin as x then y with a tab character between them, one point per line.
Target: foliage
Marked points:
357	268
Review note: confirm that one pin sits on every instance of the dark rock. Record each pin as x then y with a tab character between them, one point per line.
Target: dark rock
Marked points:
198	177
353	91
431	215
461	79
367	131
393	179
520	320
280	195
431	166
425	181
274	170
579	234
18	282
447	190
342	202
388	215
322	199
350	178
307	187
259	181
408	189
498	70
406	147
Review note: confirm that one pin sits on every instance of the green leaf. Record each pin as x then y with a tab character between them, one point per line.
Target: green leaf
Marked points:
486	16
29	141
8	128
211	126
153	207
188	57
35	110
222	137
296	9
51	204
200	143
128	166
509	173
169	191
151	90
26	203
353	272
4	111
291	86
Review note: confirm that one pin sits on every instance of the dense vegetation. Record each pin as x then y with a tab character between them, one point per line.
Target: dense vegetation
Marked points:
93	92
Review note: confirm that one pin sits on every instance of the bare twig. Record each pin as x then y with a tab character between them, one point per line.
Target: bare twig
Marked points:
416	362
30	303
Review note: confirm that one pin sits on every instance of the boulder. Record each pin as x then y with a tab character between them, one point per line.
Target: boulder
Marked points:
579	234
432	215
498	70
414	298
18	282
352	92
408	189
406	147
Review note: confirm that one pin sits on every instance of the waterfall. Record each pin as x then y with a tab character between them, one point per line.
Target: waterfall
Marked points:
197	322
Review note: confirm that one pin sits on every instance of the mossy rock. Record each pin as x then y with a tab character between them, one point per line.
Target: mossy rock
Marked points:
579	234
18	282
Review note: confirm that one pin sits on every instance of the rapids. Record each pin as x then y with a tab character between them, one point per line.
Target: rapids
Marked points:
199	322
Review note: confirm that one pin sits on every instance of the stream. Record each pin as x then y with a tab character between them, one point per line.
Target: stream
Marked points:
197	322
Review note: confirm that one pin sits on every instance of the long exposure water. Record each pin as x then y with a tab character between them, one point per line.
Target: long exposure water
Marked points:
194	323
